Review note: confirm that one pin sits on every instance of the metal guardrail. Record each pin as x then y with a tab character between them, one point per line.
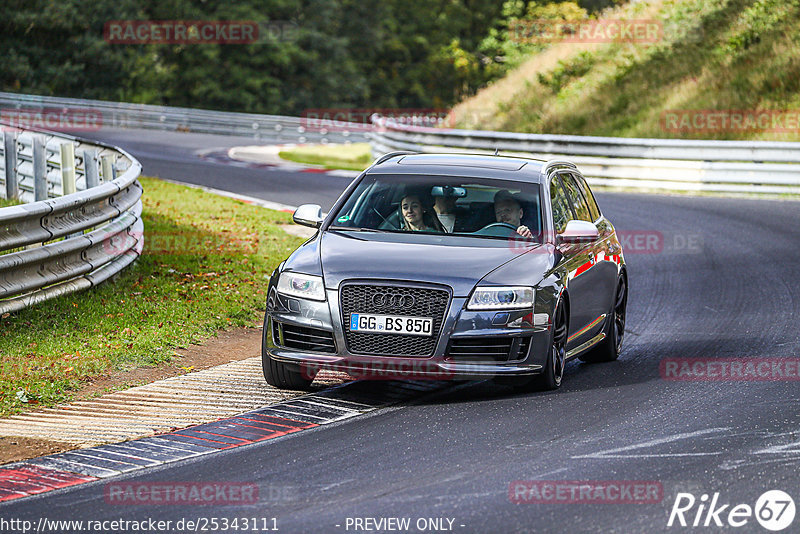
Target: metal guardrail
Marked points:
661	164
275	128
79	223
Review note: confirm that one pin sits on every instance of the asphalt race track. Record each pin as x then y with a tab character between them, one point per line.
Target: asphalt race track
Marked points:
709	278
174	156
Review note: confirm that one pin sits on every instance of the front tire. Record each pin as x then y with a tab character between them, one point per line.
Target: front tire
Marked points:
553	373
608	350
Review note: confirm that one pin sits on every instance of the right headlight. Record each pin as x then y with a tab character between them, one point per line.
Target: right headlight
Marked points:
501	298
304	286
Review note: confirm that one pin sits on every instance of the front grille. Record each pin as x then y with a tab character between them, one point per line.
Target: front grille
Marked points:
427	302
303	337
488	349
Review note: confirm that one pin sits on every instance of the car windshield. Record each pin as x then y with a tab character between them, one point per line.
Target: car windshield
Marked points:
463	206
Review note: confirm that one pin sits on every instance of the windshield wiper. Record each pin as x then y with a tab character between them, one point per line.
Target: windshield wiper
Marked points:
353	229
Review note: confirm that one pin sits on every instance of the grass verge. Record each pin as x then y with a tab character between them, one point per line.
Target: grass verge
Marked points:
353	157
5	203
205	266
729	55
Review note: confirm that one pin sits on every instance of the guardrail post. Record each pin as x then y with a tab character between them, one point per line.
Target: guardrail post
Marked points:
67	168
39	169
90	169
10	154
107	167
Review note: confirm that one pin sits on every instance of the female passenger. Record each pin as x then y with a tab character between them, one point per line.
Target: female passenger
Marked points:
416	217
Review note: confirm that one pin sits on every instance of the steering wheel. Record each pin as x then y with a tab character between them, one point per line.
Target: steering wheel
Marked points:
497	229
498	225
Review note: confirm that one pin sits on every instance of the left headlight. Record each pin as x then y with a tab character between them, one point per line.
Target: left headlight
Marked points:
501	298
305	286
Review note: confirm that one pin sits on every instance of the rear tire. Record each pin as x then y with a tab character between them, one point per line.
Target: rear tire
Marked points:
279	374
608	350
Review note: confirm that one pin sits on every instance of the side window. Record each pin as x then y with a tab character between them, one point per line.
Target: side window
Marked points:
561	211
594	210
575	198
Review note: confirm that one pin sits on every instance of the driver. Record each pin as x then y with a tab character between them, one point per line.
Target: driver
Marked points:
507	209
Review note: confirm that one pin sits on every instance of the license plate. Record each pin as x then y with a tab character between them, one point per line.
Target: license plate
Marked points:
391	324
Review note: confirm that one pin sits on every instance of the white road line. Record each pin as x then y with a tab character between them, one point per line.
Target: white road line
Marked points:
611	453
788	448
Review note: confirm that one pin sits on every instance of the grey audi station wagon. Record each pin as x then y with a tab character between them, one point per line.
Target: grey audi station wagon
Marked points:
450	266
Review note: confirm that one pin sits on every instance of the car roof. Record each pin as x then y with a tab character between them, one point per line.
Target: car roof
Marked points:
476	165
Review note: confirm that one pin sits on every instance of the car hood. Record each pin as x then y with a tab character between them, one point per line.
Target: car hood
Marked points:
457	262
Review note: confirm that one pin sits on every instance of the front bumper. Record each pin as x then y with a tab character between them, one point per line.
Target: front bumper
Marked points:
458	325
381	367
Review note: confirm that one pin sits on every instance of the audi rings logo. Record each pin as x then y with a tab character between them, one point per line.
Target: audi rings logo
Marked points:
392	300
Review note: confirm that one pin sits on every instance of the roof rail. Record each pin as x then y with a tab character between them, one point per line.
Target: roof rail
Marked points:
393	154
557	163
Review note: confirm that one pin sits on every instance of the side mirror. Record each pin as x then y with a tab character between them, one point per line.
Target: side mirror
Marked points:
308	215
578	232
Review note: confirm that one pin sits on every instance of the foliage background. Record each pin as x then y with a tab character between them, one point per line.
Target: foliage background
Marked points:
344	53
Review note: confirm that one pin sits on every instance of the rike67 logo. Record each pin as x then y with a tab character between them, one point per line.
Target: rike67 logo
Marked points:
774	510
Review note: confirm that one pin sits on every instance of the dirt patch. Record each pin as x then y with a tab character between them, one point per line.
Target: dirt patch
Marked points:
14	449
228	346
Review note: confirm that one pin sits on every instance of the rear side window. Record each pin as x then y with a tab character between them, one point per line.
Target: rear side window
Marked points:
594	210
561	211
575	198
